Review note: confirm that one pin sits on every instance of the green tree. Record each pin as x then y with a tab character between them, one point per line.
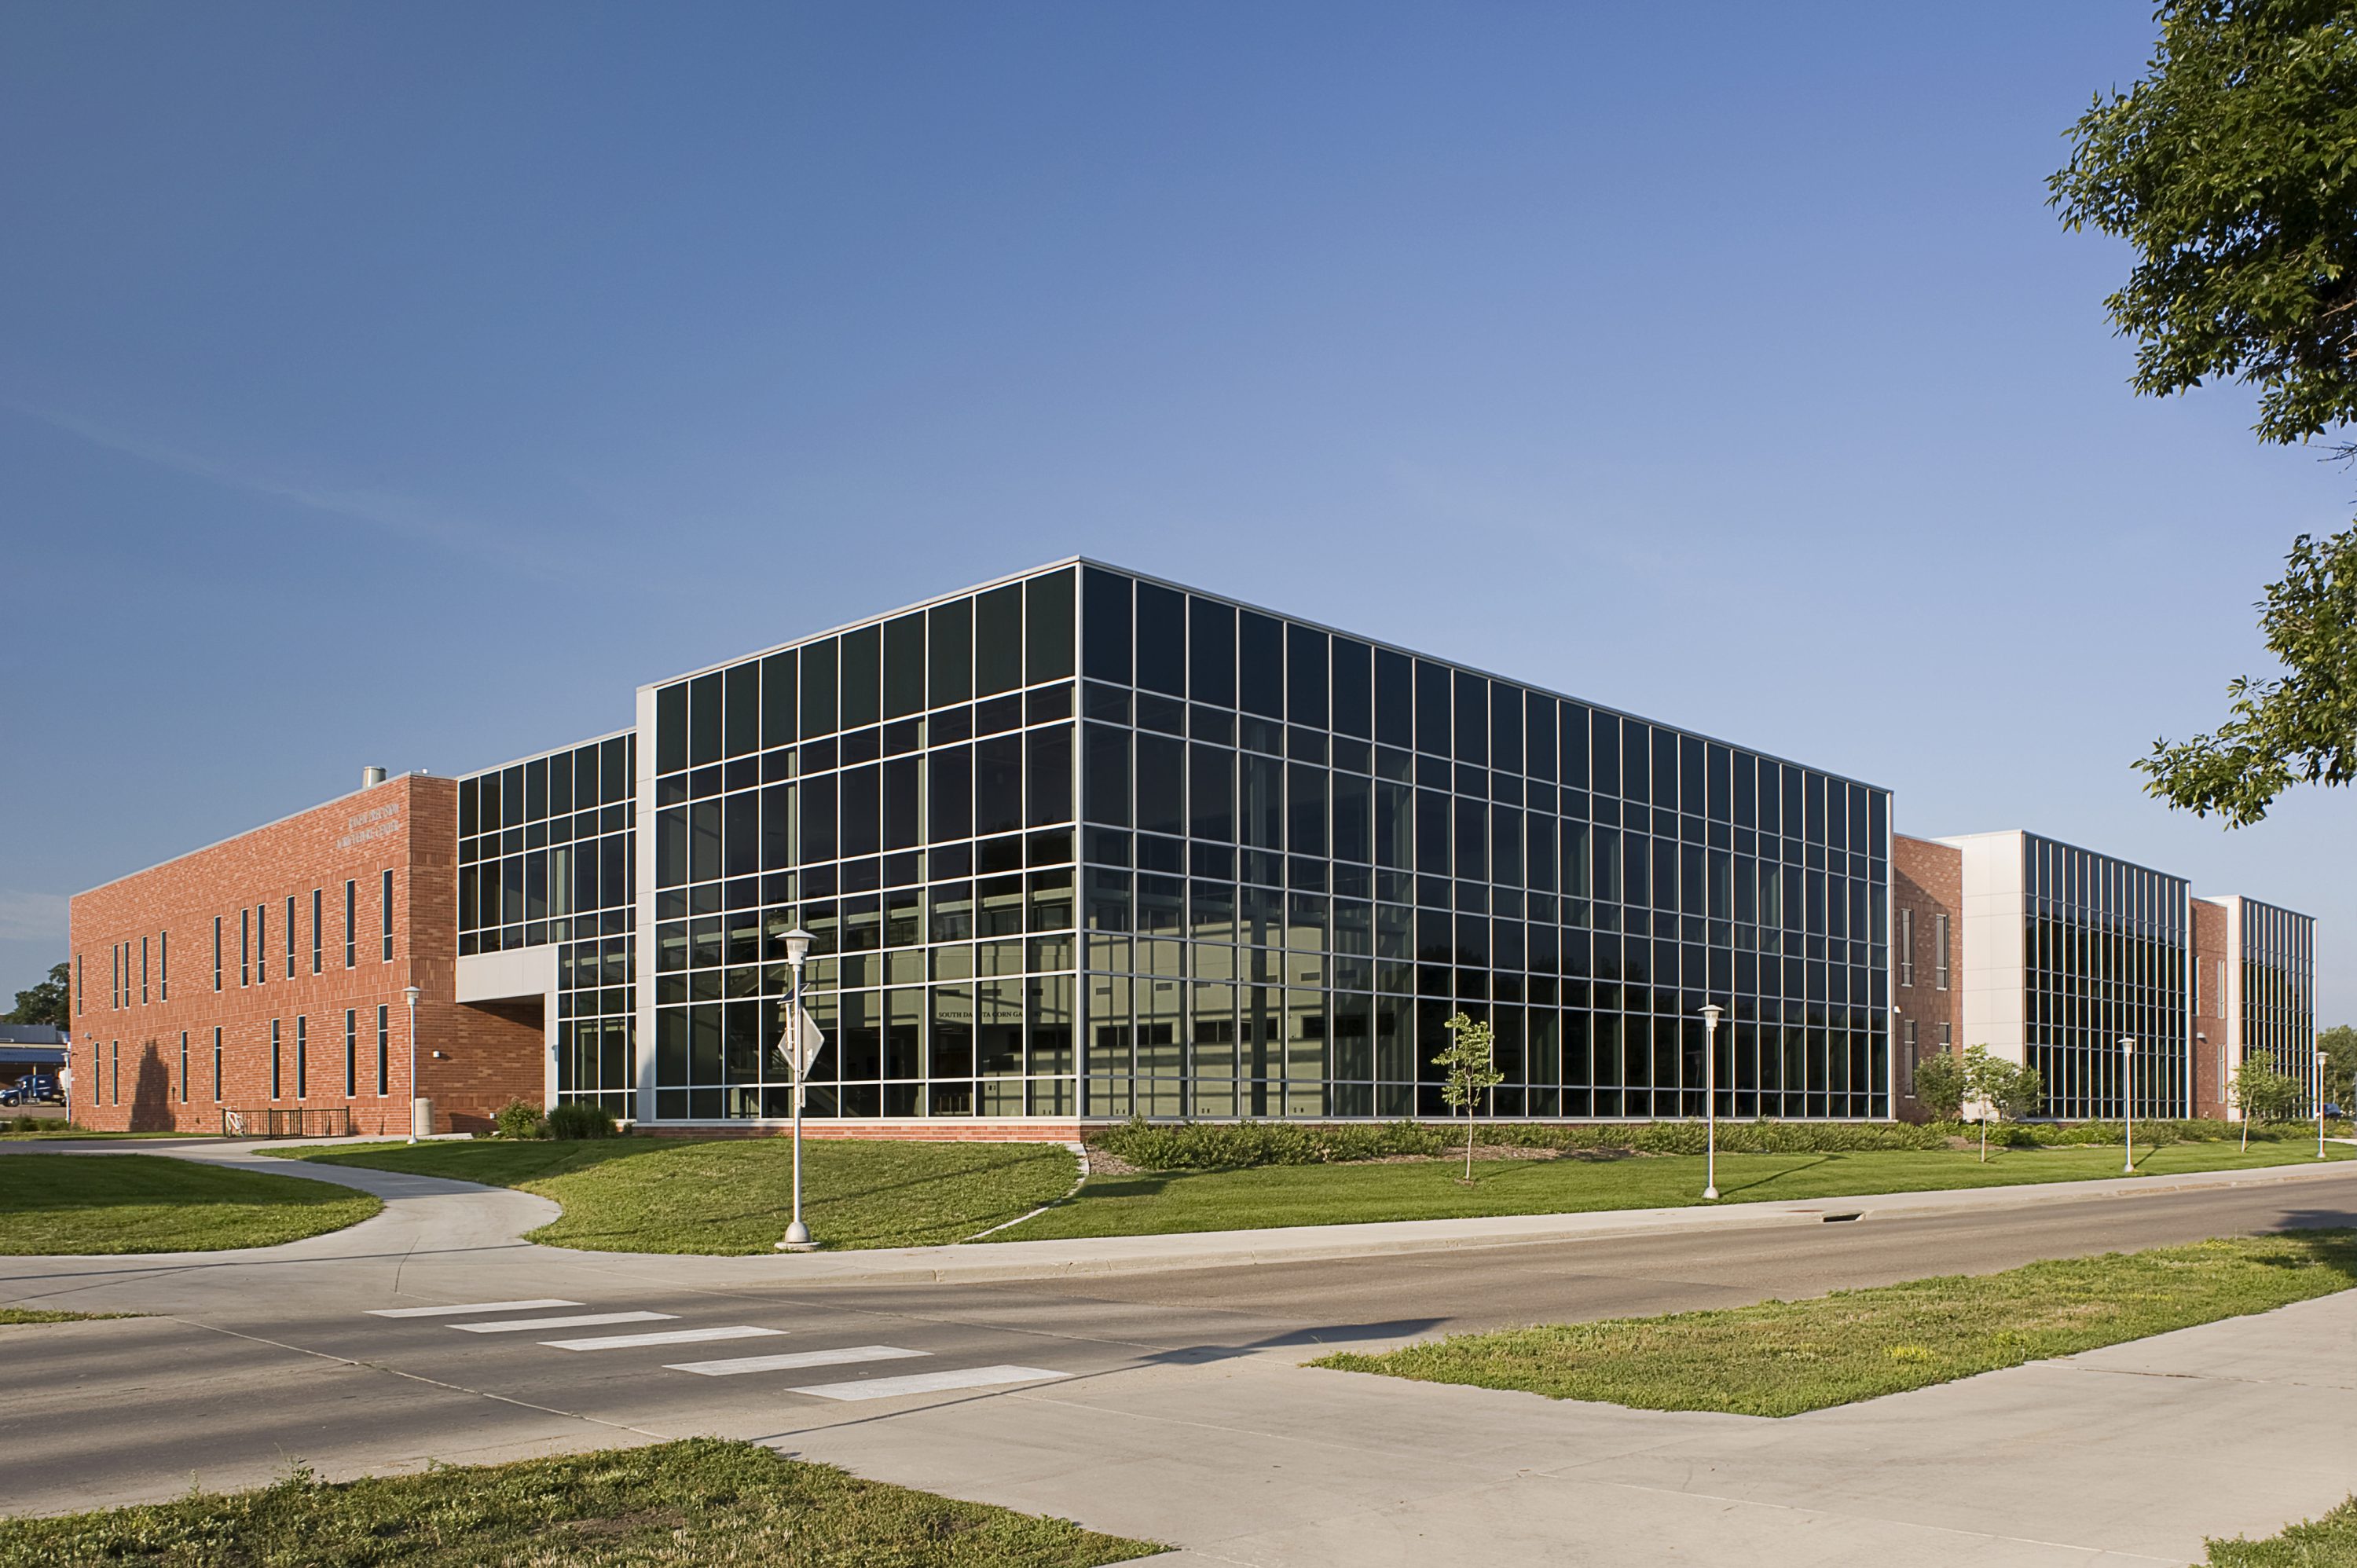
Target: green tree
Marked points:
2231	169
1470	1063
1940	1086
2339	1045
2262	1094
2299	728
48	1002
2002	1088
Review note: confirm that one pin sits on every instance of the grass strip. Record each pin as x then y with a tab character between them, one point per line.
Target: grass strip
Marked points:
2327	1542
1154	1203
15	1314
86	1204
704	1501
1782	1357
736	1195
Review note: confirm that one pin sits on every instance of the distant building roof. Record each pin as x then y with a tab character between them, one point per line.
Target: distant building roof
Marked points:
31	1035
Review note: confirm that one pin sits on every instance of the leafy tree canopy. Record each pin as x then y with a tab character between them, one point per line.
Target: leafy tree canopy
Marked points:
45	1002
2299	728
2231	168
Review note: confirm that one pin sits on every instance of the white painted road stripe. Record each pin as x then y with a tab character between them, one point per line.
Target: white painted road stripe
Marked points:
930	1382
790	1362
467	1307
586	1320
674	1337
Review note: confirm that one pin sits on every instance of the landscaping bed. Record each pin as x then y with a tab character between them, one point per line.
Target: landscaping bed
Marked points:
701	1501
53	1204
1780	1357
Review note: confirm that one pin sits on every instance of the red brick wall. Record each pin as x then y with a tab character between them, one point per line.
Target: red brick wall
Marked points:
1927	879
126	1058
2209	947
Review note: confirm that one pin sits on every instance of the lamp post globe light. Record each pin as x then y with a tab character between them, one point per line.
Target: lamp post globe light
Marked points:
2319	1102
2127	1098
1710	1014
797	941
410	994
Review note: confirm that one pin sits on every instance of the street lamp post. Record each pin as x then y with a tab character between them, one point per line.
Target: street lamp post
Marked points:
2127	1098
411	993
1710	1099
797	941
2319	1103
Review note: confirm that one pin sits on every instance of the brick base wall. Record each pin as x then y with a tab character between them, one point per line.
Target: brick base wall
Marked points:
917	1131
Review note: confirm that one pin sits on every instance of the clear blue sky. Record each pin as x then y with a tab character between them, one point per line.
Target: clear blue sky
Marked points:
404	385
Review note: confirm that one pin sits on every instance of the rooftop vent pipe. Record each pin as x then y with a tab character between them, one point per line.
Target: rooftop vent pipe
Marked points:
371	777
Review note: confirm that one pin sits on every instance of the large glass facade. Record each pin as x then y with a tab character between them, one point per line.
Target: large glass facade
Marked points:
1087	843
2278	962
547	854
2105	950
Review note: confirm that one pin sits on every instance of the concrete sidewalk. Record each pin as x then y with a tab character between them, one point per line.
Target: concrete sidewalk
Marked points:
979	1262
2126	1455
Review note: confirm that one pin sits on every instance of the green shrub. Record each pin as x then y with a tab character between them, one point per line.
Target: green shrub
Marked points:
25	1124
575	1119
1197	1145
519	1119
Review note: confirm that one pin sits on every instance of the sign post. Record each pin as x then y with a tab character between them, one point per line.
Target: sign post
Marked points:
799	1043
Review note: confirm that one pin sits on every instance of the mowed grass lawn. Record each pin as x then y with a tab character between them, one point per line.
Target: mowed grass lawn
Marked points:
1782	1357
736	1195
147	1203
1163	1202
2327	1542
715	1504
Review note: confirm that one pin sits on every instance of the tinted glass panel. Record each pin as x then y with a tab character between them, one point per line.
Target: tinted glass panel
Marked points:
1212	655
1048	628
1105	626
904	666
1260	664
998	640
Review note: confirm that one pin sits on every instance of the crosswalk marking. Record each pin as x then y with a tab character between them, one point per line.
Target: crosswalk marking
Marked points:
465	1307
794	1360
930	1382
672	1337
586	1320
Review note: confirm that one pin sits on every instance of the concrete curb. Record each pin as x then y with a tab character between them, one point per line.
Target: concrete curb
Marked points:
1015	1260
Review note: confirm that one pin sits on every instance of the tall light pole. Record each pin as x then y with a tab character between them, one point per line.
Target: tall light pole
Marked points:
1710	1099
2319	1103
2127	1098
411	993
797	941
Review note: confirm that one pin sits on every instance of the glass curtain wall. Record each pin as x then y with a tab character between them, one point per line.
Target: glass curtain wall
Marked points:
1088	844
547	854
2278	962
904	790
2104	954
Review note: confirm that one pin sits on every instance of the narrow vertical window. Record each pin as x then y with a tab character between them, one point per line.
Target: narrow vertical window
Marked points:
1906	1058
317	895
142	972
183	1067
302	1056
1946	1035
290	935
217	1064
1939	950
216	952
163	966
352	1052
262	943
352	907
114	1070
383	1050
276	1062
2221	988
78	991
1906	947
114	978
388	917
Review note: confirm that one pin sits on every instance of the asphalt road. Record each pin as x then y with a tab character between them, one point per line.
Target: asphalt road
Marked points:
255	1361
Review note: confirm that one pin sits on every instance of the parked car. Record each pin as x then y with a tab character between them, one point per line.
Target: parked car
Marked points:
2333	1112
33	1088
